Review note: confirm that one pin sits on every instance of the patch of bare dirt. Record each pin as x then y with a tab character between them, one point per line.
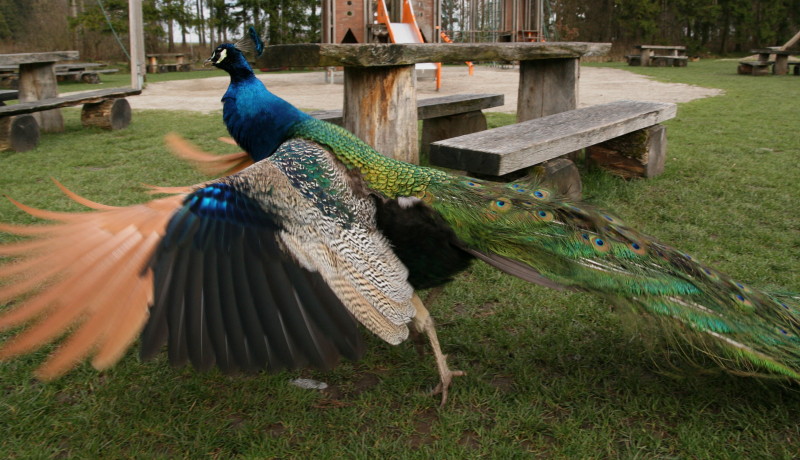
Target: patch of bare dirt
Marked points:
308	90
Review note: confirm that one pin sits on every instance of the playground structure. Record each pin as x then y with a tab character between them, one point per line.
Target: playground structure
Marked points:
420	21
361	21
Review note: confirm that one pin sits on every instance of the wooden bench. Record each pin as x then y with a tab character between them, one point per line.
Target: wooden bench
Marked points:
8	95
105	108
87	76
796	65
634	59
754	67
668	61
442	117
179	65
624	137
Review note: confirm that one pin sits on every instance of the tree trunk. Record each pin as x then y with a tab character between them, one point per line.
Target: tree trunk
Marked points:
201	27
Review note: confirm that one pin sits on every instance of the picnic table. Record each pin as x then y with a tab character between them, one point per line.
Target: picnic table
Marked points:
177	63
667	56
380	100
781	62
37	80
87	72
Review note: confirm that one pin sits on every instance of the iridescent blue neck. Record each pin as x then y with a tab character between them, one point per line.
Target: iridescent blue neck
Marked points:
258	120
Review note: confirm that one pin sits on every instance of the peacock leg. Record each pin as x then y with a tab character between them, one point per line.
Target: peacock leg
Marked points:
424	323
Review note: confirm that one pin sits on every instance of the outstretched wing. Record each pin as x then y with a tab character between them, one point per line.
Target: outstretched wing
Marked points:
260	270
228	294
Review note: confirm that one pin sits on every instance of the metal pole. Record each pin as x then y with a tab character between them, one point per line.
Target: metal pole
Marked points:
137	43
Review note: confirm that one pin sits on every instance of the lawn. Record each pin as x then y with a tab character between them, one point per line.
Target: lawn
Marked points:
552	374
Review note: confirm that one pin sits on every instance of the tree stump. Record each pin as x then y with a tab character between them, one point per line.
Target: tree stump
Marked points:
638	154
19	133
562	175
108	114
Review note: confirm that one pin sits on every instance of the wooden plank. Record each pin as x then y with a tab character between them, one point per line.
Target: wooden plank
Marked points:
67	100
8	94
33	58
380	108
661	47
509	148
376	54
433	107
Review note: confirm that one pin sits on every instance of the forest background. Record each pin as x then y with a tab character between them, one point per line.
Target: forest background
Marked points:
706	27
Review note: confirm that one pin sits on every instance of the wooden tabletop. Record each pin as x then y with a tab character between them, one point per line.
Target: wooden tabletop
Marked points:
660	47
772	51
33	58
377	55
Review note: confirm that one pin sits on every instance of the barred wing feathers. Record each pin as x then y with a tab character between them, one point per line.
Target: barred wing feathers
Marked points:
245	273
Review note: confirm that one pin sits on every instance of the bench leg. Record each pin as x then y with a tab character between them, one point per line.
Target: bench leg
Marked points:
638	154
19	133
439	128
562	175
108	114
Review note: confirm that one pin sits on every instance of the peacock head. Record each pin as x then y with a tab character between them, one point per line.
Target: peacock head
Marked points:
230	56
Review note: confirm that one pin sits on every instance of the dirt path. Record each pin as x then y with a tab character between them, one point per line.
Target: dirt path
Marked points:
308	90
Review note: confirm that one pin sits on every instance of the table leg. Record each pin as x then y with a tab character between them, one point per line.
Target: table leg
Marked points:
38	81
781	64
645	58
380	107
547	86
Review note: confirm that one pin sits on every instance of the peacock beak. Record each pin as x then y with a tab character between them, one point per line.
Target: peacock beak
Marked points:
208	62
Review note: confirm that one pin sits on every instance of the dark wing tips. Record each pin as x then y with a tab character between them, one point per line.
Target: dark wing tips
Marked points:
227	294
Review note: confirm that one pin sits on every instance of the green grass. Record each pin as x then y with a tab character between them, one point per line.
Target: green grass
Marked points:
551	374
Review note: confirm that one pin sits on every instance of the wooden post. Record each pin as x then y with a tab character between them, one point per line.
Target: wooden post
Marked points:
781	66
38	81
645	57
546	87
385	99
135	25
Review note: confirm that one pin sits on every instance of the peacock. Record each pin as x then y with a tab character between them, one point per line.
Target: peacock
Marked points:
438	222
273	266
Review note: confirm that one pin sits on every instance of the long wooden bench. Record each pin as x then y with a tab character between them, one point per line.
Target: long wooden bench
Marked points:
755	67
668	61
442	117
105	108
8	95
87	76
624	137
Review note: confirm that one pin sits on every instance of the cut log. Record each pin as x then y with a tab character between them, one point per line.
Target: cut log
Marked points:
638	154
562	175
20	133
109	114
